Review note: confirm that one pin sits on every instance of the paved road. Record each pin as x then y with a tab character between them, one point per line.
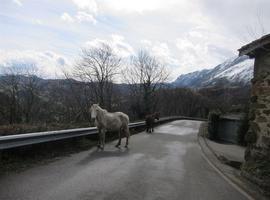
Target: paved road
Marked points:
167	164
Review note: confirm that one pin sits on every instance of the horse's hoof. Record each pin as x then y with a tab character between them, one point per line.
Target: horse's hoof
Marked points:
117	146
126	146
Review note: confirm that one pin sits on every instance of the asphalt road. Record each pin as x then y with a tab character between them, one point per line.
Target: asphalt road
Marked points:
167	164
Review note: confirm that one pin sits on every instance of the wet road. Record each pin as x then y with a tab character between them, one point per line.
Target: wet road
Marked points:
167	164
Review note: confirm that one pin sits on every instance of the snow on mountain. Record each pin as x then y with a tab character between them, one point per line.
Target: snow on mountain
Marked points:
234	71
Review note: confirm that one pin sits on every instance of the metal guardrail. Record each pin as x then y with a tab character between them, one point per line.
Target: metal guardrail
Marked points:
12	141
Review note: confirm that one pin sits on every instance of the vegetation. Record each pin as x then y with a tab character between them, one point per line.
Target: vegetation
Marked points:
213	119
29	103
145	76
242	131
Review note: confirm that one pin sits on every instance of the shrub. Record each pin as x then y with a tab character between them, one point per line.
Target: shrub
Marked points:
213	119
242	131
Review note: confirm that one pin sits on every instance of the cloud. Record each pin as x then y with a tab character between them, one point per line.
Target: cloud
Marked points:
188	35
89	6
67	18
121	47
201	48
17	2
86	12
160	50
83	16
37	21
138	6
80	17
117	42
48	64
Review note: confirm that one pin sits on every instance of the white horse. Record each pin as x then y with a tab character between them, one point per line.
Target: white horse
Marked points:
106	121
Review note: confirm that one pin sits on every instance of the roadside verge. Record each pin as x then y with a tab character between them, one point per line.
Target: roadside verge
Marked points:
230	174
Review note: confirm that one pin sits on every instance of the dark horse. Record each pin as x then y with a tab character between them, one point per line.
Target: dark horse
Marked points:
150	121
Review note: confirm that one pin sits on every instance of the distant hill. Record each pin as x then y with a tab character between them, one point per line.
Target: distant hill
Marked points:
236	71
233	72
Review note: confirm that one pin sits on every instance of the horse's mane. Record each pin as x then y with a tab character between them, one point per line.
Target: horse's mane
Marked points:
101	110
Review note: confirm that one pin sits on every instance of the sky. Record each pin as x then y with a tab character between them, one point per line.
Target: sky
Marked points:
186	35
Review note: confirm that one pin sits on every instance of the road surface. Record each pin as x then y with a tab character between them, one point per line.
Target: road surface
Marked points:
167	164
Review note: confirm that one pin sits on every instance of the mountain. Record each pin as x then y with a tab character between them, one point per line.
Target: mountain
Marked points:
235	71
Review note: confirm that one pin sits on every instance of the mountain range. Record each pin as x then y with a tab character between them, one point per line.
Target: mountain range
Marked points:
236	71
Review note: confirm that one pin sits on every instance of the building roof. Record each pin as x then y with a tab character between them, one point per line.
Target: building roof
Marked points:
251	49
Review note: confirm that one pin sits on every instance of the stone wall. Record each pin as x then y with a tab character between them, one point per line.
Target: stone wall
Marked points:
260	109
257	165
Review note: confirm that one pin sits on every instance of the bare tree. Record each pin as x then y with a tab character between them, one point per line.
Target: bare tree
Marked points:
99	66
77	98
256	28
30	91
145	75
10	86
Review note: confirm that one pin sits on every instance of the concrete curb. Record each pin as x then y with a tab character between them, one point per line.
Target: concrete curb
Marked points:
231	175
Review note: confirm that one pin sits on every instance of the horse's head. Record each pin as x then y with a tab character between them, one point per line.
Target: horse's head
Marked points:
93	111
157	114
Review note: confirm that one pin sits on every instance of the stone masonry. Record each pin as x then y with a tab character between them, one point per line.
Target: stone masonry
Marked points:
257	156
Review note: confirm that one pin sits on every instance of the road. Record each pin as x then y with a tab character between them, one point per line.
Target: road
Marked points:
167	164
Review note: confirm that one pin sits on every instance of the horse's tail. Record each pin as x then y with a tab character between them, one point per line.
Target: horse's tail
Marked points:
125	121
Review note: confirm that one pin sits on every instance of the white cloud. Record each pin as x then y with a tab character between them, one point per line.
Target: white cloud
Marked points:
161	50
67	18
87	5
117	42
83	16
138	6
18	2
122	48
146	43
86	12
80	17
37	21
199	49
188	34
48	64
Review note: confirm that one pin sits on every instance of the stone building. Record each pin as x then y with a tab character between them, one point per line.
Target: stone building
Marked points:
257	157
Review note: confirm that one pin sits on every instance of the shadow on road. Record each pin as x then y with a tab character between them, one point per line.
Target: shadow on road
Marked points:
98	154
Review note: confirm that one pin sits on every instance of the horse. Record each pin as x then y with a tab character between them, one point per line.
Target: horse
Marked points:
106	121
150	120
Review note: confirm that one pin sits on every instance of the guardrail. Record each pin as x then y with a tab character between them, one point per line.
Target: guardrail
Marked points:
12	141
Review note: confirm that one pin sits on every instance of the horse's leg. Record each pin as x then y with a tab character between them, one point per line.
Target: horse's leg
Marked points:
103	132
127	136
99	139
119	138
